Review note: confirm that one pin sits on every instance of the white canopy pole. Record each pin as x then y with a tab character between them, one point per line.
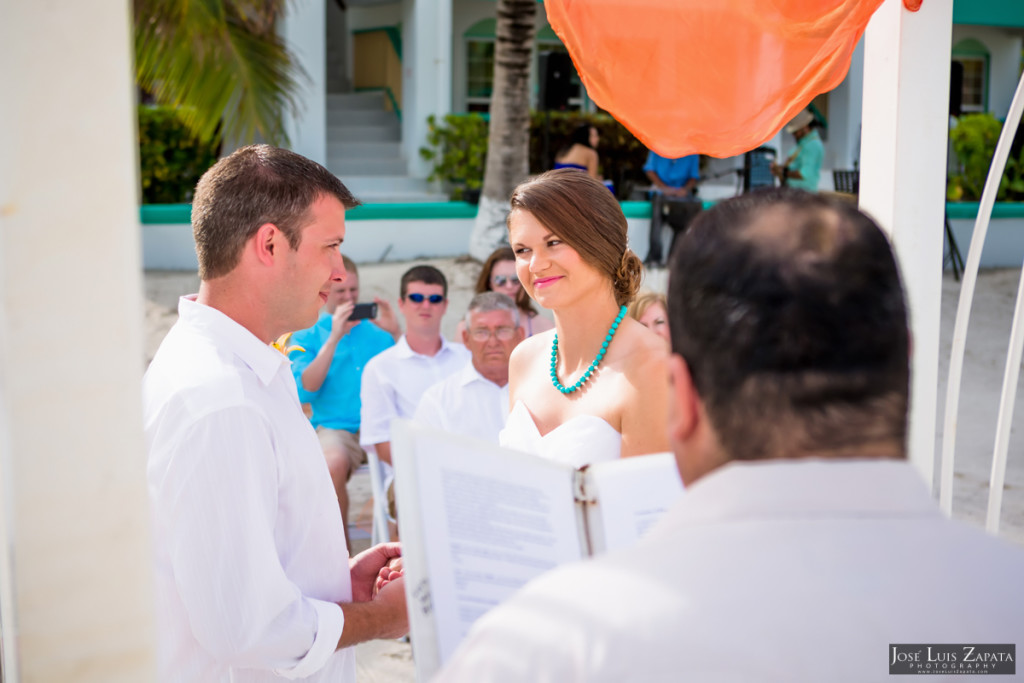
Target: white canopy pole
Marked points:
903	179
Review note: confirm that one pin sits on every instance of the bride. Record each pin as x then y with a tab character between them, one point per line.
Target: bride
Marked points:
594	388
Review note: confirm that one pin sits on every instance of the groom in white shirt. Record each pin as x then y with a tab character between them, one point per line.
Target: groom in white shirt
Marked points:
253	577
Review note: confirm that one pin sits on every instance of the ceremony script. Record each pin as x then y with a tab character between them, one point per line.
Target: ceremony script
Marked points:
479	521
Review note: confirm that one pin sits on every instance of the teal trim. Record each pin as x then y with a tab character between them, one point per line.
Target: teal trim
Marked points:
485	28
164	214
1003	13
393	33
969	210
412	211
642	209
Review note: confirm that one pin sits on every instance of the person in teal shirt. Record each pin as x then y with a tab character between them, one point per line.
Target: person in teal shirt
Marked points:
328	369
803	168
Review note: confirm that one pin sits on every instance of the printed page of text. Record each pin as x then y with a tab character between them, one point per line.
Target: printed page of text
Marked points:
632	494
492	519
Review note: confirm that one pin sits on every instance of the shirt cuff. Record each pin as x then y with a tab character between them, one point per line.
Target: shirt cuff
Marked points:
330	621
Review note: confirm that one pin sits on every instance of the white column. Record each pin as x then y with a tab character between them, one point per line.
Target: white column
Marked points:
306	37
76	577
426	75
903	176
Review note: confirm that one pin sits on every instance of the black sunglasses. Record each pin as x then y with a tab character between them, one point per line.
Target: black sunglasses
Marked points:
418	298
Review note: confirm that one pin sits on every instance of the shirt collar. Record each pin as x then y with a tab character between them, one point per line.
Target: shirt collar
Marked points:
403	349
807	487
470	374
264	360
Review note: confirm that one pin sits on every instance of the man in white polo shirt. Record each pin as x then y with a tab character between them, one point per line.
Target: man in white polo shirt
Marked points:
474	401
395	379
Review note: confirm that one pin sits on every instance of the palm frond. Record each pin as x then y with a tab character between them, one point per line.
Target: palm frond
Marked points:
220	63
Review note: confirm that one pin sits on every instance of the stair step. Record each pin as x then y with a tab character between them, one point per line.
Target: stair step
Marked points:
356	100
364	150
367	167
375	184
361	117
382	133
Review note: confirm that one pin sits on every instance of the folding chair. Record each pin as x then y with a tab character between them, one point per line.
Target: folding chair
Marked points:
378	478
847	181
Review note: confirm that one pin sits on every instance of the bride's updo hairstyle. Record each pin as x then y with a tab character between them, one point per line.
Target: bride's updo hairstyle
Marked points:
586	216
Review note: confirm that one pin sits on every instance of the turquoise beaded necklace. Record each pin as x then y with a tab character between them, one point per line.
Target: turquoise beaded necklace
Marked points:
593	365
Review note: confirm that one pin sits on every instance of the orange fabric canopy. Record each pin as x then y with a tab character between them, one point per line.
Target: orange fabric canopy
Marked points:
716	77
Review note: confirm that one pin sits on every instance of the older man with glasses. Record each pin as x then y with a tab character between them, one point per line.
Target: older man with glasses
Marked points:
474	401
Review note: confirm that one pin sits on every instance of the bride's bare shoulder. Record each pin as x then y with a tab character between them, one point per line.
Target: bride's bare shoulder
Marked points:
530	349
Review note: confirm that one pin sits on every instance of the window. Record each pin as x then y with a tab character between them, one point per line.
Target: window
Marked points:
479	74
974	58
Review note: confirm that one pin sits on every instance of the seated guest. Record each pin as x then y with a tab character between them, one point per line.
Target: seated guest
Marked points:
670	179
394	380
328	369
474	401
651	310
806	542
581	152
498	274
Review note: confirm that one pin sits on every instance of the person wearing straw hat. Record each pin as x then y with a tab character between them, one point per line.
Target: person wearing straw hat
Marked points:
803	167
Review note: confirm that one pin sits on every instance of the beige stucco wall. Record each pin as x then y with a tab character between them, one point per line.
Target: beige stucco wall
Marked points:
75	577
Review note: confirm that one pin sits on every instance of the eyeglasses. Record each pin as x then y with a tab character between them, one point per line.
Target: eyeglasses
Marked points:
502	280
482	334
418	298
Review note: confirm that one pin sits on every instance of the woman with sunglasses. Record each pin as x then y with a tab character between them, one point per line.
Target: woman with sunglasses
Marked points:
593	388
499	275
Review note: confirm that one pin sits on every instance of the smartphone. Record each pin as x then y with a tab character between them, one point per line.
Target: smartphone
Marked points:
363	311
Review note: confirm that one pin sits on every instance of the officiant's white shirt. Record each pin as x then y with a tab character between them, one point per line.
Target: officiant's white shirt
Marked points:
465	403
250	548
798	570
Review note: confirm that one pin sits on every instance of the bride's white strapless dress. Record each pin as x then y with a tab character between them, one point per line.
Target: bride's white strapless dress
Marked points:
583	440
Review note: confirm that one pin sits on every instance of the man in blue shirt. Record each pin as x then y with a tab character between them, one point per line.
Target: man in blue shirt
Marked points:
670	178
328	373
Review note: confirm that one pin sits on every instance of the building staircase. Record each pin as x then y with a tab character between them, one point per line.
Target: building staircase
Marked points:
364	149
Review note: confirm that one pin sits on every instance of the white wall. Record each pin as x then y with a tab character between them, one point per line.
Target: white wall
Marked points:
304	33
76	579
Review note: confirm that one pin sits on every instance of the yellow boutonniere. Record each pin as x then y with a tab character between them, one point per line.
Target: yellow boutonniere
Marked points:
282	344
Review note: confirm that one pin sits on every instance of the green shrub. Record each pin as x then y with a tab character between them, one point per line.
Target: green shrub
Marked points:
974	141
458	149
170	158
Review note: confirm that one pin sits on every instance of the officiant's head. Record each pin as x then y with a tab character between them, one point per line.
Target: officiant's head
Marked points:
789	334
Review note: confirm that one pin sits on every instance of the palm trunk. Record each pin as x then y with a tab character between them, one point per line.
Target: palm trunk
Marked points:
509	136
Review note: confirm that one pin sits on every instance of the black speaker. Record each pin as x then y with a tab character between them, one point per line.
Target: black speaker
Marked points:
555	80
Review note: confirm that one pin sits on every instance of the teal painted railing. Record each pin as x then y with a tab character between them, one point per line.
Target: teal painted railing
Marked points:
164	214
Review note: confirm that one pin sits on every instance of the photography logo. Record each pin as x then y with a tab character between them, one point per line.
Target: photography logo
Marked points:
944	658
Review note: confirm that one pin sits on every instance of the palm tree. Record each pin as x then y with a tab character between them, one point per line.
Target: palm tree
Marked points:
509	136
220	63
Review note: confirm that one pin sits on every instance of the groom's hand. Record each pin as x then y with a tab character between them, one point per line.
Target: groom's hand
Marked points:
365	568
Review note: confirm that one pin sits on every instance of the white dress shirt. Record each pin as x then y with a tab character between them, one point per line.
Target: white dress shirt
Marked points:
465	403
797	571
250	549
394	381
